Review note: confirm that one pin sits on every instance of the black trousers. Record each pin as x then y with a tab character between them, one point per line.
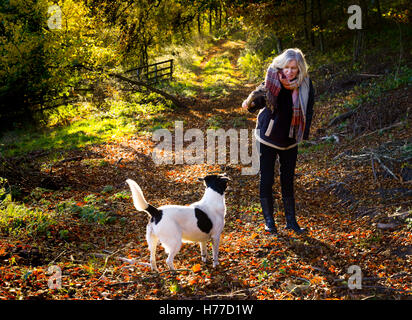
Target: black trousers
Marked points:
287	160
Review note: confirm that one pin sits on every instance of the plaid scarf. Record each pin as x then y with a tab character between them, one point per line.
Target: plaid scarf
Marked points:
273	86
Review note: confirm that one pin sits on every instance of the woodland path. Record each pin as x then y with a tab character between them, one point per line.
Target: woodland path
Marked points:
337	201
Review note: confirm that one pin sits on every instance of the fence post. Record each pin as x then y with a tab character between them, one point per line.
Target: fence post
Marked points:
155	73
171	69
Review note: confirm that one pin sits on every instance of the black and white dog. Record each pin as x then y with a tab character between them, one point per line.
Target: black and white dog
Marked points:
199	222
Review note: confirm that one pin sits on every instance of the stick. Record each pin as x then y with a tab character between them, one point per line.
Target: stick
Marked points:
385	167
235	293
382	129
57	256
129	261
370	75
373	169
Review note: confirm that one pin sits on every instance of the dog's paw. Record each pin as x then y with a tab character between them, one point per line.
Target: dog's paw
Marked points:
154	269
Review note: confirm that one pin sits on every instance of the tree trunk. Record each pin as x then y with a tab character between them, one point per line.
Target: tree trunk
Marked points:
210	20
226	15
378	7
321	43
357	45
364	6
305	23
312	22
279	46
199	27
220	15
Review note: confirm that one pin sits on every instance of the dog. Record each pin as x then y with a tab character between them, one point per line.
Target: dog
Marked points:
199	222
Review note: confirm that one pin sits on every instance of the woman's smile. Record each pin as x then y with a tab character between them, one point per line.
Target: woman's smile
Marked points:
291	70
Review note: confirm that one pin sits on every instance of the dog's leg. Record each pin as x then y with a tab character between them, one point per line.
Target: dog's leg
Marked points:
203	251
215	250
152	244
171	256
172	247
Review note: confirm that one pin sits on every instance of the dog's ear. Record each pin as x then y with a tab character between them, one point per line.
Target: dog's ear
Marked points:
225	177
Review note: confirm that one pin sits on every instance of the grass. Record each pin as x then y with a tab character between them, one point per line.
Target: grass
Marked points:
76	135
218	76
377	88
18	220
253	66
141	113
193	75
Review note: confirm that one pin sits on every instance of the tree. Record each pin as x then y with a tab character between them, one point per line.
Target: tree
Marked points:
37	69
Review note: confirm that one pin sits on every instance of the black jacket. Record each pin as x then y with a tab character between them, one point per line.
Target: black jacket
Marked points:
276	132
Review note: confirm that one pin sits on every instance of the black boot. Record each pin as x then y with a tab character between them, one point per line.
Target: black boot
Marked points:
289	205
267	210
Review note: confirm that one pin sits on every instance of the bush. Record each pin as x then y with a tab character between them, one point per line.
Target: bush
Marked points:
253	66
89	212
18	220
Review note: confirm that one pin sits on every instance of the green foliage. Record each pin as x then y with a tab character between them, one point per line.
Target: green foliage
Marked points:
18	220
39	64
378	88
92	215
108	189
138	112
64	234
215	122
409	223
88	211
218	76
123	195
240	122
252	66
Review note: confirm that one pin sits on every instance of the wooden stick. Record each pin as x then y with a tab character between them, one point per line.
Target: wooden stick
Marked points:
385	167
382	129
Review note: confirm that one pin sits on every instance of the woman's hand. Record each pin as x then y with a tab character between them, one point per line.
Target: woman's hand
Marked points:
290	85
245	104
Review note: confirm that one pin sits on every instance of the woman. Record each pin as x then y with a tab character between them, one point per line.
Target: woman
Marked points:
287	98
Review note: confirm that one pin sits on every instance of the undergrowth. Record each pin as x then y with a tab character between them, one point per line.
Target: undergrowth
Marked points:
18	220
85	125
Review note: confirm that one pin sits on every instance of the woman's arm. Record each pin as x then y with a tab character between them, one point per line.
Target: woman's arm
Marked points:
309	110
257	99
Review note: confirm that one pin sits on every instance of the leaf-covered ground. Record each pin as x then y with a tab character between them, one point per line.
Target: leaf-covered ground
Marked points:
355	212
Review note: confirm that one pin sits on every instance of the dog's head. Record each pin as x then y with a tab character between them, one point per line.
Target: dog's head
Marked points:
217	182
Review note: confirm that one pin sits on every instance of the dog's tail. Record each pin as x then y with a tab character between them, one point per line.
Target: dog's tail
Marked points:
140	203
138	199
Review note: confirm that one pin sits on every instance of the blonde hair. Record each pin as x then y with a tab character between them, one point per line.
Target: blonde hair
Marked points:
283	59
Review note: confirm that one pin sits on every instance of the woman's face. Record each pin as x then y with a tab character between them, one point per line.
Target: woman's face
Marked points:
291	69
